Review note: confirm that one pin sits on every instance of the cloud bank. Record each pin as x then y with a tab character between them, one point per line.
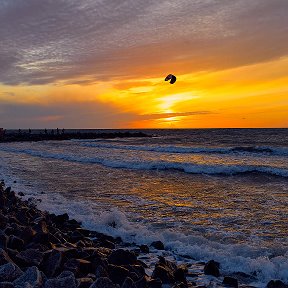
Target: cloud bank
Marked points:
48	41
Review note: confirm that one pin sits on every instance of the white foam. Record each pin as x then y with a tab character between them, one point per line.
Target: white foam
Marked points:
157	165
187	149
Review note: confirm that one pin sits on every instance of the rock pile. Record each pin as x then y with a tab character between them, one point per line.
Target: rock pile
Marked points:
43	250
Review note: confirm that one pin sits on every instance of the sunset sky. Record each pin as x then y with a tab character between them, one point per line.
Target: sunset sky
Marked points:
102	63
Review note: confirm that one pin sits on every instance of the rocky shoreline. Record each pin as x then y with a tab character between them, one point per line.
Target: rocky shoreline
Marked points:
43	250
64	135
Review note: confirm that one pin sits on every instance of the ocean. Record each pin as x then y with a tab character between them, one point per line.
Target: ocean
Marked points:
207	194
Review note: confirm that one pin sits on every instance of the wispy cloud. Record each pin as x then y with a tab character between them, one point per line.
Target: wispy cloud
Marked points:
47	41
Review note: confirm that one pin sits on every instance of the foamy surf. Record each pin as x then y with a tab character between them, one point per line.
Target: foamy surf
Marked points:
158	165
261	263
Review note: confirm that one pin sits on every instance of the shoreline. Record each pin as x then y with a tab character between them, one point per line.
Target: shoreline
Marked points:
42	247
62	135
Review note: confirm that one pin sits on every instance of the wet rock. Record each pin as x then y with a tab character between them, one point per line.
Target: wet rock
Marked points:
102	282
212	268
21	194
155	283
230	281
15	242
84	282
78	266
3	220
65	279
180	274
6	285
164	274
3	240
31	276
9	272
276	284
4	257
158	245
117	274
128	283
101	272
52	264
61	219
122	257
26	234
30	257
144	248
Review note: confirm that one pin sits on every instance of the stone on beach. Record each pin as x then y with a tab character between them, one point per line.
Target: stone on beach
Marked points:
212	268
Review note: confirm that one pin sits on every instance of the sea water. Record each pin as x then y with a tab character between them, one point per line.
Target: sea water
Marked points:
218	194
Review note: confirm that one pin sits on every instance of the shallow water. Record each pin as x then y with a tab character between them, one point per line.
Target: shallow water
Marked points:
208	194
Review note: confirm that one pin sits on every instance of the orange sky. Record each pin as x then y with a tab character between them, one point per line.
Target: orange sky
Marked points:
231	67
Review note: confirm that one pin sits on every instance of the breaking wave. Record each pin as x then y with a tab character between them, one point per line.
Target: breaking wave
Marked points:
192	168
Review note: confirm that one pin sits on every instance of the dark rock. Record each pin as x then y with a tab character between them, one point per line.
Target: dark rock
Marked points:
30	257
65	279
27	234
165	271
276	284
230	281
78	266
52	264
144	248
102	282
4	257
15	242
21	194
117	274
164	274
84	282
137	269
3	240
32	276
155	283
101	272
141	283
212	268
60	219
180	274
122	257
9	272
158	245
3	220
128	283
6	285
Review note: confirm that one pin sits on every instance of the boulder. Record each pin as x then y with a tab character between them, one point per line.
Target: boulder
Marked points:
128	283
30	257
9	272
31	276
52	264
15	242
78	266
102	282
6	285
144	248
155	283
212	268
276	284
4	257
230	281
84	282
117	274
3	240
65	279
122	257
165	270
158	245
